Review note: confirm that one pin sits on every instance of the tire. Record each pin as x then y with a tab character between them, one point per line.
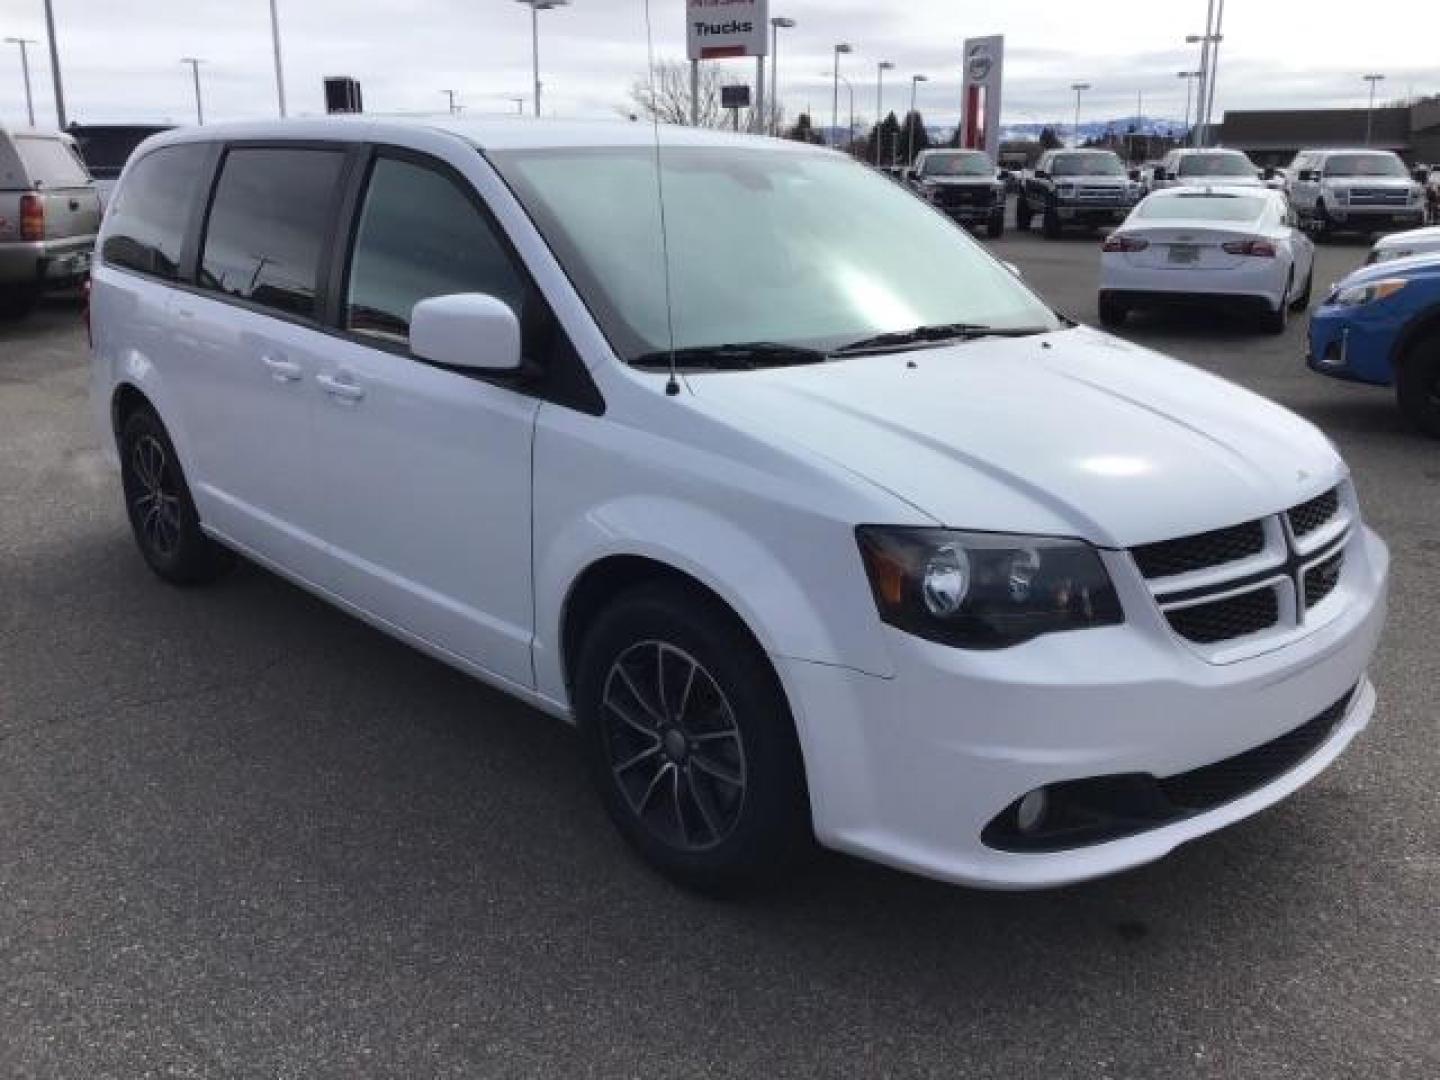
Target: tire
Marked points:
1320	223
1112	313
16	303
995	229
1052	227
1278	321
1302	302
1417	384
162	514
1022	215
740	818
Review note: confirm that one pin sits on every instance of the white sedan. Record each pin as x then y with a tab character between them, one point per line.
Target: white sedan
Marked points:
1225	246
1402	245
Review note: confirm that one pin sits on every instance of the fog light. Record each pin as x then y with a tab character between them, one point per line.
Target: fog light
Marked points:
1031	810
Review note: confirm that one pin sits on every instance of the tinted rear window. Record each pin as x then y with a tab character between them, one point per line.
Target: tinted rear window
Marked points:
51	163
1201	208
268	224
145	226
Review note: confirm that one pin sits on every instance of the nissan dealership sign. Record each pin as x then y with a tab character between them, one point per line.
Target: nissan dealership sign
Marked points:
719	28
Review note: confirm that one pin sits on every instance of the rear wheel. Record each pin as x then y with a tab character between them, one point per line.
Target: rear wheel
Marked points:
1052	223
1278	321
690	739
162	514
1302	302
1418	384
1112	313
1022	215
995	229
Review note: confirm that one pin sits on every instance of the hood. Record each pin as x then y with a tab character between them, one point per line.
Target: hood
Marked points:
1428	237
1222	181
1072	433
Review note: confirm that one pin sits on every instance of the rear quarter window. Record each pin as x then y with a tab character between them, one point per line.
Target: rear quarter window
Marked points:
51	163
145	226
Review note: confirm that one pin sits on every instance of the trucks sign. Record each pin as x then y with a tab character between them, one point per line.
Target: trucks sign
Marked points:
719	28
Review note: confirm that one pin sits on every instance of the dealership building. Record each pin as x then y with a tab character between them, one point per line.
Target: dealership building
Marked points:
1273	137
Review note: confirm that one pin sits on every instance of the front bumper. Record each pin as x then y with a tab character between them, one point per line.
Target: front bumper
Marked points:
1355	344
1374	218
1072	214
909	770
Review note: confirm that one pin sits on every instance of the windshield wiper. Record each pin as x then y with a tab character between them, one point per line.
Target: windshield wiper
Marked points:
739	357
939	334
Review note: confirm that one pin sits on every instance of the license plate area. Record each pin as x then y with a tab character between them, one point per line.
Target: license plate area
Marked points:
1183	254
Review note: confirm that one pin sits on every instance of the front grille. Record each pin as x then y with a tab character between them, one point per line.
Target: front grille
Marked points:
1309	516
1099	194
966	196
1320	581
1201	551
1224	620
1378	197
1224	781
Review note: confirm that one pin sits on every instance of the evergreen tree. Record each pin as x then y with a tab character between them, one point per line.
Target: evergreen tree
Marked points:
1049	140
887	132
913	137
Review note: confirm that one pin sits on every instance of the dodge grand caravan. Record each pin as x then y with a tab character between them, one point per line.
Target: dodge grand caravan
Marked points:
812	517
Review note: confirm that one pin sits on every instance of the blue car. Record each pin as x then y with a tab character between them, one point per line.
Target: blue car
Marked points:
1381	325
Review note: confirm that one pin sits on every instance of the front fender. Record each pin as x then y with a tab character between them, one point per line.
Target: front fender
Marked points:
835	625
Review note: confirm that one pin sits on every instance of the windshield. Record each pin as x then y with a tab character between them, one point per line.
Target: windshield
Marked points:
1087	165
51	163
1201	208
1365	165
1216	165
796	248
957	165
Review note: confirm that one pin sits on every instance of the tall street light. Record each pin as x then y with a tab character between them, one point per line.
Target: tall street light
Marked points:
1189	77
880	69
195	73
913	120
1079	88
537	6
279	64
1370	111
25	71
776	25
851	88
835	98
55	63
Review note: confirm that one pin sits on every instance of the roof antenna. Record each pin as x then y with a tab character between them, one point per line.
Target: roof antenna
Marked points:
672	385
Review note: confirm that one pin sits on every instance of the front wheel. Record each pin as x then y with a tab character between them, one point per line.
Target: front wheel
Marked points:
18	301
1418	384
690	740
1022	215
162	514
995	229
1052	224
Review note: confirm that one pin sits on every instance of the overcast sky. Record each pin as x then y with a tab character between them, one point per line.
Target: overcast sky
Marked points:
120	58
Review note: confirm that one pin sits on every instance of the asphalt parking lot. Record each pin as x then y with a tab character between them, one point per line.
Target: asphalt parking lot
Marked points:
243	835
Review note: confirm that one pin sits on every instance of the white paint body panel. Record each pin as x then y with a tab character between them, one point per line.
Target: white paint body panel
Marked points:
457	514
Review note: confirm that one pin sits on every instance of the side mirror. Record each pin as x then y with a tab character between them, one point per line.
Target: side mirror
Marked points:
1159	174
471	331
1041	174
1422	175
1135	175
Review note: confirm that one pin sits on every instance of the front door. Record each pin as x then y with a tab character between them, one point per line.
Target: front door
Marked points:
423	474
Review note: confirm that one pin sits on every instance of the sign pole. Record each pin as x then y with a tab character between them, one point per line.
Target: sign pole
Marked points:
694	93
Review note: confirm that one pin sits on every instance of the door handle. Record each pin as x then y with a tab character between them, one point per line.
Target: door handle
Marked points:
339	388
74	204
282	370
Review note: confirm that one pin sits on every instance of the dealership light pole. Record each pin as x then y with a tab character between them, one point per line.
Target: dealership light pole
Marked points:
279	64
776	25
1189	77
835	96
1370	111
1079	88
55	63
880	69
25	71
913	120
450	94
851	88
195	73
537	6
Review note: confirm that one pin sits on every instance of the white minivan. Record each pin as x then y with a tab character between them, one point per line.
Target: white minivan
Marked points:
811	515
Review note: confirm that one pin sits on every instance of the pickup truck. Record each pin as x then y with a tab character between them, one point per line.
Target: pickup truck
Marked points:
1076	189
49	215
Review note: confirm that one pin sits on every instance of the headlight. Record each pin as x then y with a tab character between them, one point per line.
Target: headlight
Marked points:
1416	193
1356	295
1066	191
1339	194
985	590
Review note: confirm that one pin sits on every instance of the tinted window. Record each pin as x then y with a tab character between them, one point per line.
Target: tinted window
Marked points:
145	226
1087	165
1202	208
957	165
267	227
421	236
51	163
1215	165
1365	165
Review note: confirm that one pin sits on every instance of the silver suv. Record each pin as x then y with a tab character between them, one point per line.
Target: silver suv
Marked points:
1362	191
49	215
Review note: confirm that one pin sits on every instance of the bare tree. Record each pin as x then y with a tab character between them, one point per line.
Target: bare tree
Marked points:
666	98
